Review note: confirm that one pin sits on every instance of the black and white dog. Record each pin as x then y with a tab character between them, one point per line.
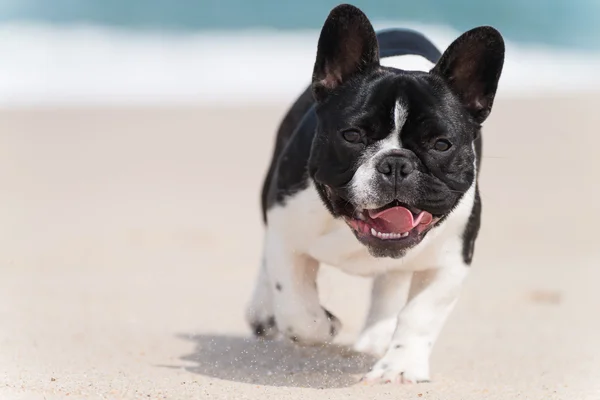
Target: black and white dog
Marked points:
375	172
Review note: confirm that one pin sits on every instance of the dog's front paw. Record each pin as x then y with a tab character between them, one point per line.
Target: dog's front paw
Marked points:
400	365
310	329
261	321
264	328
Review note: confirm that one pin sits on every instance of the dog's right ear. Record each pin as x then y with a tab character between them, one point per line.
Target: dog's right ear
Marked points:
347	45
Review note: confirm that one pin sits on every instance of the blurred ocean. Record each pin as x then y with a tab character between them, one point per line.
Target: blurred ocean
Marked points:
222	51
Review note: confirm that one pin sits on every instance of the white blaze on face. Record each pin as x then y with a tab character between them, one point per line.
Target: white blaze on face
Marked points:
400	115
362	185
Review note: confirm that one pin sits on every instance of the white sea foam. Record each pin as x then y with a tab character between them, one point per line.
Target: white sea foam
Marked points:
90	65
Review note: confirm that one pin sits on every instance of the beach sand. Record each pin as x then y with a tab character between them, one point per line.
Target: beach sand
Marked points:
131	239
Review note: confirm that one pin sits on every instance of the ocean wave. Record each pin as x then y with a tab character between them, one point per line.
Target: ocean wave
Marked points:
87	65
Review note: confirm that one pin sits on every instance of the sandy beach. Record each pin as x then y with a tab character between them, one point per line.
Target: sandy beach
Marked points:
131	238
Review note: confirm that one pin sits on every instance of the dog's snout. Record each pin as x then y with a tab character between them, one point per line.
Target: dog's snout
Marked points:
395	166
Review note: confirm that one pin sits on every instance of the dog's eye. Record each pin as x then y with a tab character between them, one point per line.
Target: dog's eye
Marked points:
352	136
442	145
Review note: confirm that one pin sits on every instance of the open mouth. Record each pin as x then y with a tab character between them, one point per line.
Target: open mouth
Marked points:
394	221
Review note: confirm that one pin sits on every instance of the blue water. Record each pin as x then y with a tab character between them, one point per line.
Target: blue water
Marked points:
559	23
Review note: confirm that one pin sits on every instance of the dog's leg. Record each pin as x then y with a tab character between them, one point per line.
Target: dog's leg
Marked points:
298	313
431	300
259	313
388	296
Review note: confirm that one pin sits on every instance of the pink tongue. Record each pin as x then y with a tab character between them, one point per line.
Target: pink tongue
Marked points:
401	219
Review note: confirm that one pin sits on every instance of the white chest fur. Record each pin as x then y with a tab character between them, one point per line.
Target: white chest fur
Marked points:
307	227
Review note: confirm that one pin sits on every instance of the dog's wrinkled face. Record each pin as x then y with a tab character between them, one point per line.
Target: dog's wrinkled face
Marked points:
395	154
394	151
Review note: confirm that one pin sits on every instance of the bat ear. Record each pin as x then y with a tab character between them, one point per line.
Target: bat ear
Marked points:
472	66
347	46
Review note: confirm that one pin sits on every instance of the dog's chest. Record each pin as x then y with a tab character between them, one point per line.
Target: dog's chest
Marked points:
338	247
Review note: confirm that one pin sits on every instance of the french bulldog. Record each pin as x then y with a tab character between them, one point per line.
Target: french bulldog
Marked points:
375	172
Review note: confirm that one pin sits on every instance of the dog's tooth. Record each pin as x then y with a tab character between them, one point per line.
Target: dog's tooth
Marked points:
388	236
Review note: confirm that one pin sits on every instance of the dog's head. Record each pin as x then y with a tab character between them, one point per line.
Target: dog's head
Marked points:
394	150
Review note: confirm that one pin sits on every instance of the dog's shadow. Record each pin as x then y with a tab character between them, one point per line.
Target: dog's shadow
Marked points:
275	363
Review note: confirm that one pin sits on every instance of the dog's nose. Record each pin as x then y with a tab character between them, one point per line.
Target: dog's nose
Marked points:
395	166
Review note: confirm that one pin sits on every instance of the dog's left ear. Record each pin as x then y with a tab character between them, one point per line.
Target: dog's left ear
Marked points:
347	45
471	66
